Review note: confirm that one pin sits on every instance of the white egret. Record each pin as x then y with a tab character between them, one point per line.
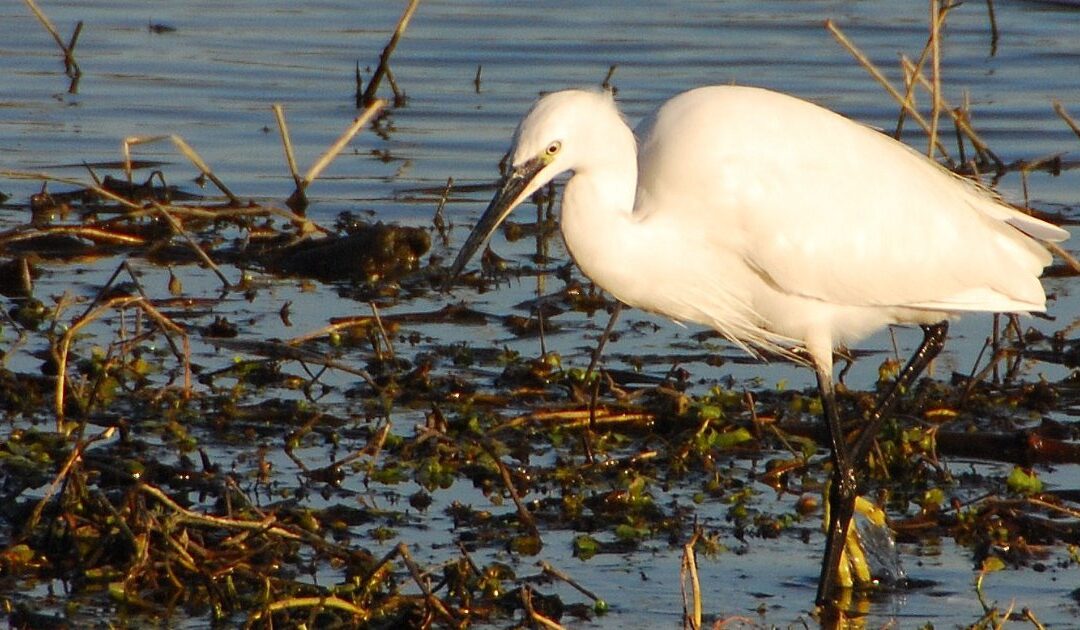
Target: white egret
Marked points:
784	226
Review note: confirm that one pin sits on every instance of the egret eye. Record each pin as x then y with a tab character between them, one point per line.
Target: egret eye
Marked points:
554	147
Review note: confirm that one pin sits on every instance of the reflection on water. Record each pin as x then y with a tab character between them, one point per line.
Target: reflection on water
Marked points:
212	81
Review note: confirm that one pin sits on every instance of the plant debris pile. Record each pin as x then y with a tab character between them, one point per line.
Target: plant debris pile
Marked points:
110	486
163	459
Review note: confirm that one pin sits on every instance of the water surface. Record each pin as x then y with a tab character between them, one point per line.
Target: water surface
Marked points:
213	80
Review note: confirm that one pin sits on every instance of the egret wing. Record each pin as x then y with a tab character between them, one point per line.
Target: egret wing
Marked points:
823	207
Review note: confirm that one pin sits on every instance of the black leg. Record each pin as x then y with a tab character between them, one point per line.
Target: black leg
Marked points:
932	343
841	495
615	311
844	459
587	437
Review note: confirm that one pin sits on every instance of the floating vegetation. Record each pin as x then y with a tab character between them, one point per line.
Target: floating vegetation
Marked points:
164	460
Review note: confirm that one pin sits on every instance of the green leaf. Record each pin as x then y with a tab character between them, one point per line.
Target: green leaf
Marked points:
729	439
992	563
585	546
629	533
1023	481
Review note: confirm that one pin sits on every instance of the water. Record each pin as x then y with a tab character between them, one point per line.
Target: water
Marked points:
213	80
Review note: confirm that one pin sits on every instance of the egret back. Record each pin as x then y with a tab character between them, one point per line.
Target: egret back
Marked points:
823	207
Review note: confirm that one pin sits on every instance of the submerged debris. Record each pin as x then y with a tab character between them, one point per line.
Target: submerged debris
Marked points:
164	459
124	498
371	253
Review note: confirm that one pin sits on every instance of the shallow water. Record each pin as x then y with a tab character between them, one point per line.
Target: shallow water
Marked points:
213	79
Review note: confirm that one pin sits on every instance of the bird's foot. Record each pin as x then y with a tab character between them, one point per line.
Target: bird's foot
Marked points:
869	558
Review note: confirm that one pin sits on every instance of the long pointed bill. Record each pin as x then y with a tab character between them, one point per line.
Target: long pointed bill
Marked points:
509	195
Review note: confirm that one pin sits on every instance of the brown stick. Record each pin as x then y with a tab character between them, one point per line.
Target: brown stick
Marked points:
90	233
961	122
993	27
1060	110
935	77
691	604
326	601
1060	252
73	458
336	148
880	78
552	571
434	602
71	68
197	160
268	525
179	229
537	618
504	473
384	58
65	345
286	143
95	311
185	149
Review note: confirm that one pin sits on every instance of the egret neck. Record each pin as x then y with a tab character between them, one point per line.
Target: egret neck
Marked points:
599	225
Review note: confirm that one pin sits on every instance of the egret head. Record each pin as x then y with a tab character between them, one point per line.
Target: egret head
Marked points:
547	142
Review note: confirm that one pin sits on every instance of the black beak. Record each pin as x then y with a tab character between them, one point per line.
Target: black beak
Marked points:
510	188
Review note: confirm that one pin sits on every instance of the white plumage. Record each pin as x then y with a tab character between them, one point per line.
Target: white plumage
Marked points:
776	222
